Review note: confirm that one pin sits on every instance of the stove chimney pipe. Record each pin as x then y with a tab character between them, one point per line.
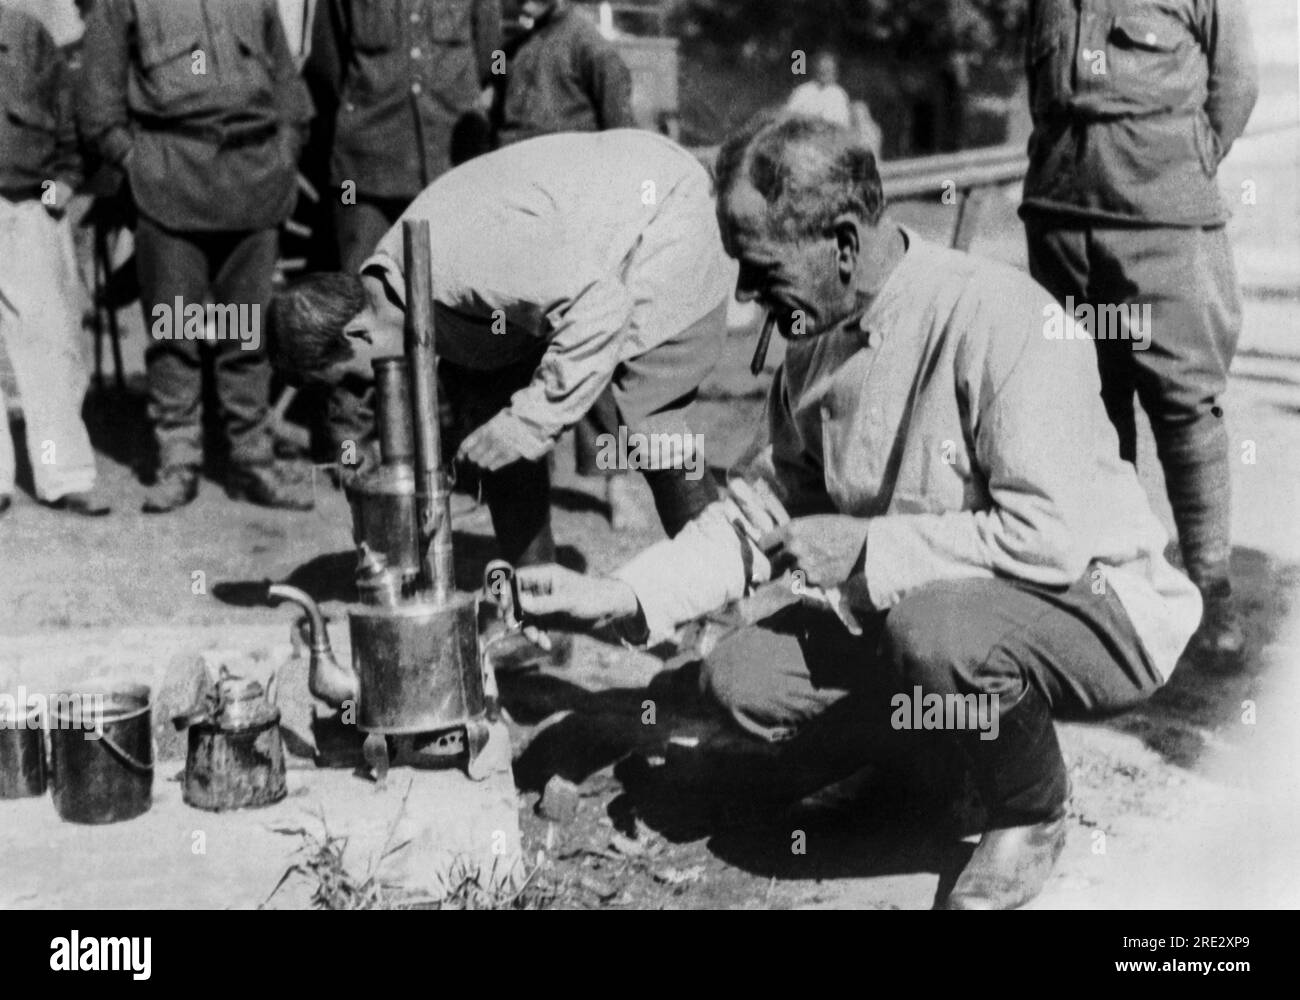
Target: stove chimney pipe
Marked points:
432	498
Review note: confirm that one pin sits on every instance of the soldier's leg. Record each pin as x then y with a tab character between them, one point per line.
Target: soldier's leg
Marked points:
1187	278
1061	260
244	267
173	268
41	327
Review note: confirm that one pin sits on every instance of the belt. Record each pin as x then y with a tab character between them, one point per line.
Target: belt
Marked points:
228	135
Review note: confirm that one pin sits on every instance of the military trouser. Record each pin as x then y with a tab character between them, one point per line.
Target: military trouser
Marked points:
1187	278
839	701
232	268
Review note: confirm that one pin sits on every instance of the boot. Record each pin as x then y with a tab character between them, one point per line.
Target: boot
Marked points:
1195	460
175	487
1022	779
1009	867
86	503
1219	643
269	486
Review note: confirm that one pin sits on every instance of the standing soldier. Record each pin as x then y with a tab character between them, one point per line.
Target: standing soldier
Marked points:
39	319
1135	104
199	102
405	77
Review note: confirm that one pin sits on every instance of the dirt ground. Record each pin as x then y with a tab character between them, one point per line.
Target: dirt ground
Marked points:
1191	800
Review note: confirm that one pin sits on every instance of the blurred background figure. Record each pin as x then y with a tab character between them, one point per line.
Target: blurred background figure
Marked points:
199	103
401	82
563	75
40	318
822	96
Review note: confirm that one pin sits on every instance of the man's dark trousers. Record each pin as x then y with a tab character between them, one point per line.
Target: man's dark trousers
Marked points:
800	676
1186	275
233	268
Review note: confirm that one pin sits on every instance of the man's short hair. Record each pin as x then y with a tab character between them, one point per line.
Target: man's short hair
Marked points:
808	170
307	321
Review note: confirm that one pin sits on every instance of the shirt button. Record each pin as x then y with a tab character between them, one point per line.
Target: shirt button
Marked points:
415	52
415	87
415	17
1151	38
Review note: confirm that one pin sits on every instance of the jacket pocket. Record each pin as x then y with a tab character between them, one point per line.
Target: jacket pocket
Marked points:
1149	54
169	67
375	26
27	137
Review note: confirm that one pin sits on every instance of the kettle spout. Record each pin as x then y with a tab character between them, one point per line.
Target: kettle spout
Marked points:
327	679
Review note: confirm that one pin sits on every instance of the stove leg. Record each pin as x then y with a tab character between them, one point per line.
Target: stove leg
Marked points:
375	751
477	733
487	747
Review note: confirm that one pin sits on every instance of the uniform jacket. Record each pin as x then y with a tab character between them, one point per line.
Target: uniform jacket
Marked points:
596	247
1135	103
201	103
973	445
565	77
403	74
38	135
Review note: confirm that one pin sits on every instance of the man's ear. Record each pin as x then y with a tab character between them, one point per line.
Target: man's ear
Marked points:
848	244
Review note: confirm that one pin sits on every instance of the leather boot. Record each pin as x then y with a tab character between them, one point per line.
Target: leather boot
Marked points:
1219	643
269	486
175	487
1022	779
1009	867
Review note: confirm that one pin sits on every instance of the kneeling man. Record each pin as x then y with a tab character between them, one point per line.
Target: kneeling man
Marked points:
957	502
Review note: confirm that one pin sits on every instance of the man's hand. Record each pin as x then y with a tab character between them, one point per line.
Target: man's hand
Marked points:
497	443
553	590
826	548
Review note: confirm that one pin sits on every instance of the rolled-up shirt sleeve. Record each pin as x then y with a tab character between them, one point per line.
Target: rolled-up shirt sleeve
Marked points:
1024	450
697	571
582	353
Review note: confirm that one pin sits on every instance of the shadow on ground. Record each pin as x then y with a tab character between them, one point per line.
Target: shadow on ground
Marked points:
683	782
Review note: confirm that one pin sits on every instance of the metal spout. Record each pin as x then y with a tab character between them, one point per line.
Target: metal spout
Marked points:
327	679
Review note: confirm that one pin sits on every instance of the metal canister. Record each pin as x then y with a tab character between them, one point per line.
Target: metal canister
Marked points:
22	752
235	758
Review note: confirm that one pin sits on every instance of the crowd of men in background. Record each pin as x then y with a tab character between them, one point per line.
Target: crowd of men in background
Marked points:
193	117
